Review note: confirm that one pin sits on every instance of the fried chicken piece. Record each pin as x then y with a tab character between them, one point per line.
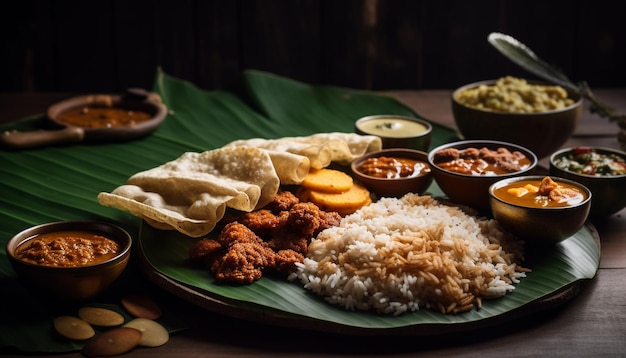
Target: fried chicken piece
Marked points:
282	201
328	220
263	222
205	251
288	240
244	262
240	253
286	261
305	221
236	232
308	219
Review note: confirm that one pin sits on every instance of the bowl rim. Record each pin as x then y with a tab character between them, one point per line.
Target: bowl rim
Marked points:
577	101
77	225
564	151
379	153
506	181
428	125
534	161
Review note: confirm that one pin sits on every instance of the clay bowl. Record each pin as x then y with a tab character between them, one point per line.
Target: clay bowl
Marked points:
64	133
72	283
397	186
473	190
609	191
540	132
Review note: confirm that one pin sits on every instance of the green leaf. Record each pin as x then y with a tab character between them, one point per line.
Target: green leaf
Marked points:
166	252
62	183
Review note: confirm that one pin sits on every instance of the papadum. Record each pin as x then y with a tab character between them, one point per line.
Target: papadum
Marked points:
320	148
190	194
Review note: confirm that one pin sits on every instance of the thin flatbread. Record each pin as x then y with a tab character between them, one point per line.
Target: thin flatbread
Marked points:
190	194
321	148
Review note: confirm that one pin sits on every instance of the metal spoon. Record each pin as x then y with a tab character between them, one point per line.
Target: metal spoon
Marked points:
526	58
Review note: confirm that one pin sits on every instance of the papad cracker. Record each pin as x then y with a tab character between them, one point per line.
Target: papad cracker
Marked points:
321	148
190	194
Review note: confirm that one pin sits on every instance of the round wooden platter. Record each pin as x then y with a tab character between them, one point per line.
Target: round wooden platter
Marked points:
267	315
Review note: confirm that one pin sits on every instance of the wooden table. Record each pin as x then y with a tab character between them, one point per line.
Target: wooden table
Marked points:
591	324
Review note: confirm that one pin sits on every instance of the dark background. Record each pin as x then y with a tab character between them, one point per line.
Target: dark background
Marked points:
104	46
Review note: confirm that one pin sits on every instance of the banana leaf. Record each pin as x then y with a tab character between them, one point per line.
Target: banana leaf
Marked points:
61	183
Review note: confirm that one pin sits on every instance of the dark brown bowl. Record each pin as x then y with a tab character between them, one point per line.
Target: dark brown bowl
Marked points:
540	225
395	187
473	190
542	132
73	283
132	99
609	192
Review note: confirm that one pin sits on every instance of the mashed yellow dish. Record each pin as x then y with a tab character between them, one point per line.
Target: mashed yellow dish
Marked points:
515	95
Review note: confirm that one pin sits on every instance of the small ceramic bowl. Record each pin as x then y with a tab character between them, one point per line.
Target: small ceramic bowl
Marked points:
536	224
540	132
73	283
397	131
609	191
469	189
396	186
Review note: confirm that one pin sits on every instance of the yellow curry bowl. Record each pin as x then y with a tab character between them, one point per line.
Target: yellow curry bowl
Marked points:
539	217
535	115
69	260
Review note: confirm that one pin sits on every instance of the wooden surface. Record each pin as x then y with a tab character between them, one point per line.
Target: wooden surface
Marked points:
591	324
86	46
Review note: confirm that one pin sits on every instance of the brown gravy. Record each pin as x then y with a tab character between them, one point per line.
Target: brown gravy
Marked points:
102	117
67	249
483	161
393	167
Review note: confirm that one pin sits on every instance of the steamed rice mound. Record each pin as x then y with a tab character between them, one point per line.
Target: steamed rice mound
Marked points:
400	255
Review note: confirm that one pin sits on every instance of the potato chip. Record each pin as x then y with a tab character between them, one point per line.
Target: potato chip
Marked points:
102	317
73	328
153	334
117	341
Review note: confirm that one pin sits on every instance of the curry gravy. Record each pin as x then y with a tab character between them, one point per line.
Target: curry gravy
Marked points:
102	117
67	249
393	167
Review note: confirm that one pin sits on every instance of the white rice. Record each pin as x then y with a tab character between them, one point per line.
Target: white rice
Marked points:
398	255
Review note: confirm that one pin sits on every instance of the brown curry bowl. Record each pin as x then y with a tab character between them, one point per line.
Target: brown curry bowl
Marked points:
133	99
540	225
541	132
73	283
473	190
394	187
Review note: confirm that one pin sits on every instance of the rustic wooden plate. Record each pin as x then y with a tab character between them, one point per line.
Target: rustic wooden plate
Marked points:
555	279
